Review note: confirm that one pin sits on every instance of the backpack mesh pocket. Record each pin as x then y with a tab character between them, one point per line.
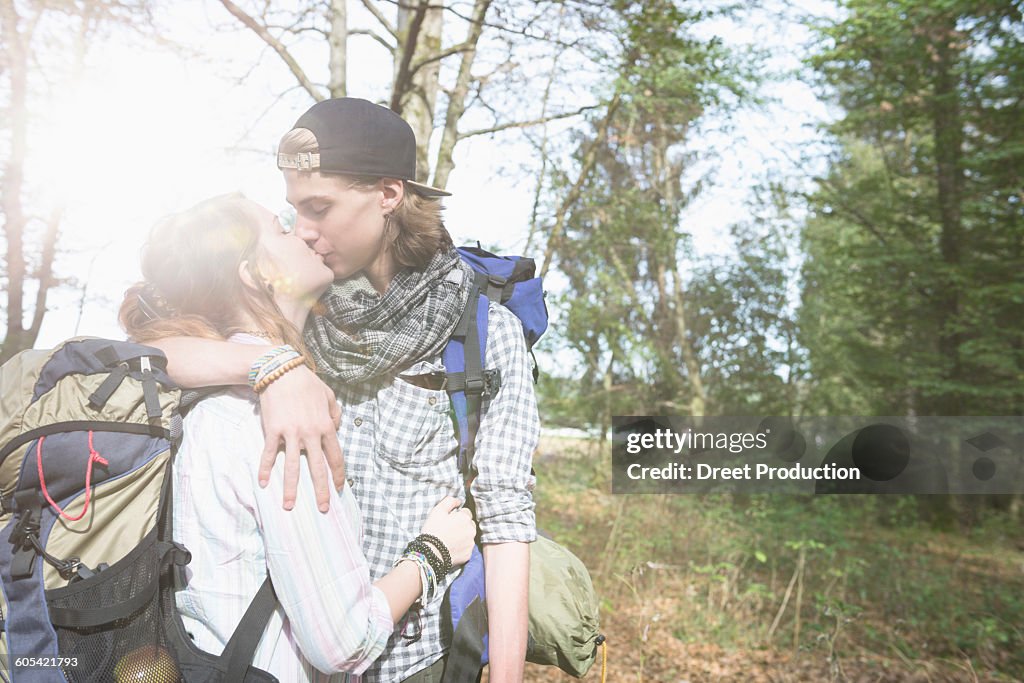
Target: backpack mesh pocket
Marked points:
112	624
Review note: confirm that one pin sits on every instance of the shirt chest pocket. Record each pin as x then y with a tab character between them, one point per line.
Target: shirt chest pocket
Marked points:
414	427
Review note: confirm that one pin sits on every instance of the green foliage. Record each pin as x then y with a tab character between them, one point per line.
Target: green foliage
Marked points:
629	309
742	324
912	296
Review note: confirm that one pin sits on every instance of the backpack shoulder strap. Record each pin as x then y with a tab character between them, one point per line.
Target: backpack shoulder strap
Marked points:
467	381
241	648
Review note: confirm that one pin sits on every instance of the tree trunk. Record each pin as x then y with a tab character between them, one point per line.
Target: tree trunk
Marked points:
457	101
337	41
414	92
667	176
698	398
949	135
14	217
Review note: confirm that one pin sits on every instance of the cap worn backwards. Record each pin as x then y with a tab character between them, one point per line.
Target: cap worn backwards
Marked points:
358	137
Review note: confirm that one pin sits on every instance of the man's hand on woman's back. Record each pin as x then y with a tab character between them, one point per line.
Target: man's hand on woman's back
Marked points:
298	409
300	415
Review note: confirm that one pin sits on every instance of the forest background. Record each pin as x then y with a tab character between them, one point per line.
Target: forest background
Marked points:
758	208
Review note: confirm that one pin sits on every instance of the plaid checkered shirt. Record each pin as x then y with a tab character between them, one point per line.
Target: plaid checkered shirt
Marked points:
401	459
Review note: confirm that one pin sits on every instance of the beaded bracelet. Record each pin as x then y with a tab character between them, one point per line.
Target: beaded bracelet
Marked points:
260	365
274	363
439	545
277	373
257	364
439	566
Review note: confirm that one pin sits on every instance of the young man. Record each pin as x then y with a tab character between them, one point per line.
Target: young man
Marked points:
400	288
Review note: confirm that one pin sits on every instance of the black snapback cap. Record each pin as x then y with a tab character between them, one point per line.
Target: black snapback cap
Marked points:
358	137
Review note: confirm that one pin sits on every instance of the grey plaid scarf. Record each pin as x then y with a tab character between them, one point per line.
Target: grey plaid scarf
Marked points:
363	334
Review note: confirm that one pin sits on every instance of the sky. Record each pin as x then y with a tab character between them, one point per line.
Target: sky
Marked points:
147	131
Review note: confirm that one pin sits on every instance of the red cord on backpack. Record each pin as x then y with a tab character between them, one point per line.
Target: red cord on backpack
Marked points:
94	457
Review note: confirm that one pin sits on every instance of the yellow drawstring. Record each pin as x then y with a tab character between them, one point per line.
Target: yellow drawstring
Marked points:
604	660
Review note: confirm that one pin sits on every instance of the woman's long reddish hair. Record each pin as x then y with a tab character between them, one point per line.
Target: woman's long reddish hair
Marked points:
192	283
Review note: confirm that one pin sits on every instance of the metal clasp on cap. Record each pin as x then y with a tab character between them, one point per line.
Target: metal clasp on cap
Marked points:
303	161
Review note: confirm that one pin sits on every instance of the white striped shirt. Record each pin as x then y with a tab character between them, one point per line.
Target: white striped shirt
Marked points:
331	618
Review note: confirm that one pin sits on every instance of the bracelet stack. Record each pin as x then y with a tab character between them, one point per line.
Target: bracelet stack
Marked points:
439	545
427	577
433	560
272	365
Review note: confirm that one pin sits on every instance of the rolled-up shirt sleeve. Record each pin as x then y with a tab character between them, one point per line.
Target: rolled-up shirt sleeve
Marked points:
340	620
508	436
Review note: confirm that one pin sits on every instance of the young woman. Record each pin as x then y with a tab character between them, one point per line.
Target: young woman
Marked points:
226	269
400	287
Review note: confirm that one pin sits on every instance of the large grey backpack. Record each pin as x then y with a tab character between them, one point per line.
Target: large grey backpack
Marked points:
88	567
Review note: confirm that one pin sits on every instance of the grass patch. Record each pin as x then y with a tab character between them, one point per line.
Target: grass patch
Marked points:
747	588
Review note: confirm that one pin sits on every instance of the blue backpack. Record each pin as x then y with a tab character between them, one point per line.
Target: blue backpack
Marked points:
511	281
563	629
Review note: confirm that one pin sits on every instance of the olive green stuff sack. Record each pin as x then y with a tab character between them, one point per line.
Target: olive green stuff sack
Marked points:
563	610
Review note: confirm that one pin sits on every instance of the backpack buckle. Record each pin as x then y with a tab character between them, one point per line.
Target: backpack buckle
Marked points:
25	530
475	385
495	288
25	535
70	568
436	380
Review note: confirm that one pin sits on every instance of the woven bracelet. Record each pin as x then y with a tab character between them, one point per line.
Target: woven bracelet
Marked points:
440	568
274	363
427	577
276	374
259	365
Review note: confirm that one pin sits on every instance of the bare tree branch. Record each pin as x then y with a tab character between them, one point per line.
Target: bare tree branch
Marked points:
376	36
499	27
589	161
276	45
85	285
256	121
241	80
44	274
543	146
527	124
447	52
379	16
297	30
